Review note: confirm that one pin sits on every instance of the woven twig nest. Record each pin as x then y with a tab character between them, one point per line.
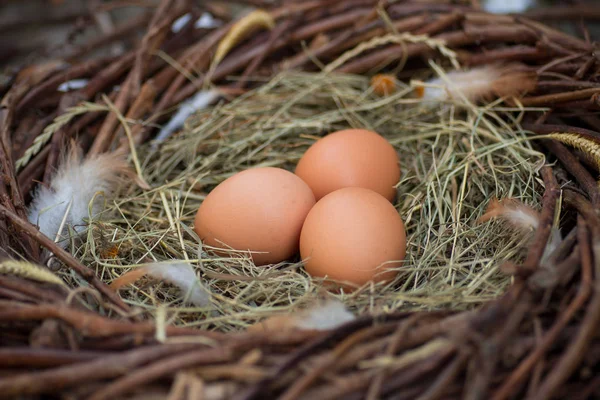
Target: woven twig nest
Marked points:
537	340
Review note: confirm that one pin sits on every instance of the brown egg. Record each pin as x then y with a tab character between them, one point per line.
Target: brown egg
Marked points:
260	210
353	235
350	158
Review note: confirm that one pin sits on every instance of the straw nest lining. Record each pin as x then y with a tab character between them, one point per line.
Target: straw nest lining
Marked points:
454	160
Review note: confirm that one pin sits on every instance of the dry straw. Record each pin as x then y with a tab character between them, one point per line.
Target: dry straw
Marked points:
454	160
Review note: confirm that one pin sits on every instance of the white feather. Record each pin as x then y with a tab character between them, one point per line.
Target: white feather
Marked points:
521	218
72	85
199	101
506	6
180	22
461	83
207	21
183	276
328	315
68	200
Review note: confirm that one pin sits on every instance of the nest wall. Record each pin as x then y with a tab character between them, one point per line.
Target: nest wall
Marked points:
537	340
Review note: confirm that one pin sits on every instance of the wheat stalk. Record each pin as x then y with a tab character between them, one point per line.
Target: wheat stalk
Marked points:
590	147
29	270
58	123
435	44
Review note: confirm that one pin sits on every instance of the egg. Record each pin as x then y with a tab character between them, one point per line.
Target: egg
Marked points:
260	210
353	235
350	158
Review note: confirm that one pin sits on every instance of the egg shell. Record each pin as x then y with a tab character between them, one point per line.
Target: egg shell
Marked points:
260	210
353	235
351	158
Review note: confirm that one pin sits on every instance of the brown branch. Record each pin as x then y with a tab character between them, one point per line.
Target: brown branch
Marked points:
576	350
452	39
515	53
540	240
574	167
112	366
163	368
554	98
522	371
107	38
38	358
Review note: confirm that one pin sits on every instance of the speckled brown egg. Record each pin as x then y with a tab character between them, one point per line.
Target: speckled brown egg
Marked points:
260	210
351	158
353	235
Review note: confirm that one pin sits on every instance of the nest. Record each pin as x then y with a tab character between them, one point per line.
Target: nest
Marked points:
474	312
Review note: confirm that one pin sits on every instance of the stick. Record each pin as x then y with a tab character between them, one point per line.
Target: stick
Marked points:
64	256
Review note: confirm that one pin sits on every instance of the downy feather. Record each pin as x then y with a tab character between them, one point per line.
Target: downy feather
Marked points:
479	83
67	200
199	101
327	315
515	212
180	274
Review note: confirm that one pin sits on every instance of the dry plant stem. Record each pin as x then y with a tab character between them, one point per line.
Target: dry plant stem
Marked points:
545	129
40	295
439	387
198	59
516	53
44	358
576	350
525	367
376	384
93	325
64	256
490	350
131	87
237	59
575	11
551	193
442	23
552	99
87	68
107	76
141	105
98	369
163	368
574	167
452	39
273	37
304	382
109	37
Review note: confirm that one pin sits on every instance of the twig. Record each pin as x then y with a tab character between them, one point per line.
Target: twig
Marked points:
64	256
574	167
554	98
79	373
161	368
573	355
540	240
522	371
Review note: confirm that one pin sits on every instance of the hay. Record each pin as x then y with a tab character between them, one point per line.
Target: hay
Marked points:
454	160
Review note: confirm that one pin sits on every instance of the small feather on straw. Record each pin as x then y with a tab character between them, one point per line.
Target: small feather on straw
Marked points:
323	316
515	212
72	192
479	83
198	102
180	274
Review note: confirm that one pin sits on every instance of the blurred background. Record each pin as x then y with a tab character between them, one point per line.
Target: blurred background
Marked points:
32	30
